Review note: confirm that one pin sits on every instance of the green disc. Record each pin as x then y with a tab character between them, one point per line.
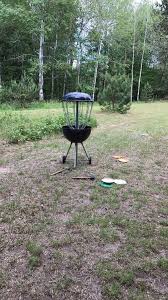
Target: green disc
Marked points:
105	185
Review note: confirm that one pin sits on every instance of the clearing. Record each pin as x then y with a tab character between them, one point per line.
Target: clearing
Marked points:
65	239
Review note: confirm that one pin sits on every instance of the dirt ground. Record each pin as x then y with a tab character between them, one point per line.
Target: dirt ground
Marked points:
66	239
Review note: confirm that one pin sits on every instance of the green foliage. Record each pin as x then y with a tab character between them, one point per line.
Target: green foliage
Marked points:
21	92
85	88
64	283
67	40
108	235
35	252
18	128
116	94
114	279
33	248
163	264
112	291
2	280
34	262
147	93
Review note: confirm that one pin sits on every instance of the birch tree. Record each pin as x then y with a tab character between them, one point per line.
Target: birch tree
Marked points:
41	63
133	57
142	59
145	16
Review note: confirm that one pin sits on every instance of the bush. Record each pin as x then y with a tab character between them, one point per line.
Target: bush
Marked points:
19	128
116	94
147	93
19	93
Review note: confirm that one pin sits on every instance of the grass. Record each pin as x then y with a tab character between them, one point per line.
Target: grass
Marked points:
2	280
108	235
73	239
114	279
64	283
35	252
61	243
33	248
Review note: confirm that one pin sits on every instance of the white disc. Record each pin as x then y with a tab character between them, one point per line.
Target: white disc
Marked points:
120	181
108	180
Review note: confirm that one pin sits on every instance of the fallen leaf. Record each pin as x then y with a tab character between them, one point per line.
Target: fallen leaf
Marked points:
117	156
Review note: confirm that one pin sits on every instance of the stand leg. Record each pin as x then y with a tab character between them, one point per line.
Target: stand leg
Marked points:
69	149
85	152
65	156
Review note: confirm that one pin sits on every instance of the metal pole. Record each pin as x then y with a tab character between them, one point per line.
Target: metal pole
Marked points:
77	127
77	115
76	155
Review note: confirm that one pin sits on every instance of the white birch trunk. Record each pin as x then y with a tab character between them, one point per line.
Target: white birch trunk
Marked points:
96	68
41	63
142	59
79	70
53	73
79	64
107	62
133	60
65	78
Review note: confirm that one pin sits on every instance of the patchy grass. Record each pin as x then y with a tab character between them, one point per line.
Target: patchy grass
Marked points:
2	280
33	248
66	239
35	252
34	262
108	235
61	243
64	283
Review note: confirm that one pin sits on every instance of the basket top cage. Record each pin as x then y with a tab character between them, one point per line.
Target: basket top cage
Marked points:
77	97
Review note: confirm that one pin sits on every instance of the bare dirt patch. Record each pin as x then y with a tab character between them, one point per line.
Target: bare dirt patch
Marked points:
4	170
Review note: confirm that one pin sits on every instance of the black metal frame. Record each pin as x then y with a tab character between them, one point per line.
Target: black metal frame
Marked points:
64	158
77	133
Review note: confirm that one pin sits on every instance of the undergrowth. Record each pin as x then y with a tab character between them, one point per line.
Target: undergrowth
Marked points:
16	128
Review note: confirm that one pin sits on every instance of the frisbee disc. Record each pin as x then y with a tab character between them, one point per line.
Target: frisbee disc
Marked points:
108	180
120	181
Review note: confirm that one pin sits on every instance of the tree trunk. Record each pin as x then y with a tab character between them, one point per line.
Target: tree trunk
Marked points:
133	60
106	71
53	73
79	70
79	65
96	68
142	59
65	77
41	63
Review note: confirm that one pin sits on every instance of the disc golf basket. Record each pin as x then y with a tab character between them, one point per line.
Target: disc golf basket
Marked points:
77	110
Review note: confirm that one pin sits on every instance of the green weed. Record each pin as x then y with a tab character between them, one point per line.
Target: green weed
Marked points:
61	243
33	248
34	262
2	280
108	235
163	264
112	291
64	283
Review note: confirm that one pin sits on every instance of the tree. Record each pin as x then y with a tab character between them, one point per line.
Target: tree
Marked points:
161	46
116	95
45	40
